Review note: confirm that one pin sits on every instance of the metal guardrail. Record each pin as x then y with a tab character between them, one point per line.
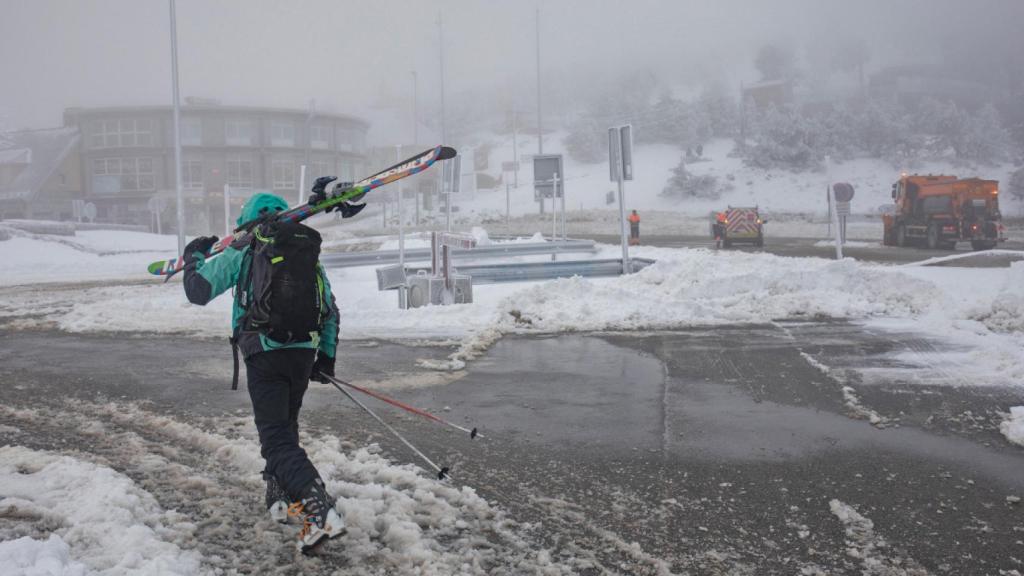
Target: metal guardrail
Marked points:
521	272
369	258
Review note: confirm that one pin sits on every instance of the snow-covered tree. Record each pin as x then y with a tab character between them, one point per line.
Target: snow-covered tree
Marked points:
983	137
587	139
1016	184
683	184
784	138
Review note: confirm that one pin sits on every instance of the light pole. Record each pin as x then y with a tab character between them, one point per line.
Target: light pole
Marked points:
440	35
177	131
415	138
415	111
540	129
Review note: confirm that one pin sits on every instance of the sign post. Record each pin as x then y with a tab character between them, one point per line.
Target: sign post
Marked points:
843	194
620	167
549	182
227	210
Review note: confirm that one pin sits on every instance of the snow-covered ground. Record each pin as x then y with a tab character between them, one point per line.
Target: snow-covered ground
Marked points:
979	309
101	521
775	191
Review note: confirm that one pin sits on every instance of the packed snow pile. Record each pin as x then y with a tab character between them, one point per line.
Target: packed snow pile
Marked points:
700	287
1013	425
1006	313
72	517
102	521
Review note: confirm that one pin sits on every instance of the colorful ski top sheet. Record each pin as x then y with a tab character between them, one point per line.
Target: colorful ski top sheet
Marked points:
403	169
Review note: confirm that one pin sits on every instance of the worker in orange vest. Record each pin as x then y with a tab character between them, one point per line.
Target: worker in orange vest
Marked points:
718	228
634	229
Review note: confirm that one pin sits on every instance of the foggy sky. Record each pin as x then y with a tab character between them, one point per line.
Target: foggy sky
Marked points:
350	55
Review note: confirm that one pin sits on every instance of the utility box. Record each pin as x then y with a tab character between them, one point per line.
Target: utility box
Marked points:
425	289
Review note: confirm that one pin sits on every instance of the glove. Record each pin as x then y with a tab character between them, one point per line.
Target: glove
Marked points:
323	364
319	189
201	244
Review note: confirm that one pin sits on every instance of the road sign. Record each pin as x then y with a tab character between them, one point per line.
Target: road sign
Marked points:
626	151
842	208
614	154
843	191
545	167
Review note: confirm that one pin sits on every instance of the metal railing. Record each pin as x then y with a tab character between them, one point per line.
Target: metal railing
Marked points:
369	258
532	271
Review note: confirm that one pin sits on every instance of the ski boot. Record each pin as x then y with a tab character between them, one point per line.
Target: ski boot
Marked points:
276	499
320	521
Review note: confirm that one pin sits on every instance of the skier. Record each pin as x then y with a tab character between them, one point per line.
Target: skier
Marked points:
634	229
285	322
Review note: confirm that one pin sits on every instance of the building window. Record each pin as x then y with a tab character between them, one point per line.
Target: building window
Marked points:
239	171
122	133
238	133
127	174
284	175
191	132
192	174
282	134
350	140
320	137
318	168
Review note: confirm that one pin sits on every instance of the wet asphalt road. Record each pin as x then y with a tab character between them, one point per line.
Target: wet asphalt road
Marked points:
705	451
802	247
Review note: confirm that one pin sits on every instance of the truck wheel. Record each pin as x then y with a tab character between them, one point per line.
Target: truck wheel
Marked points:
933	236
759	242
726	243
982	245
901	236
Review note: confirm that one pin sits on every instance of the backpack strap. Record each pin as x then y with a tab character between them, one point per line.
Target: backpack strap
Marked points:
241	299
234	357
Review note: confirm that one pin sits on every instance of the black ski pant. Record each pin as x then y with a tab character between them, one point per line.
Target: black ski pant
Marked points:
277	381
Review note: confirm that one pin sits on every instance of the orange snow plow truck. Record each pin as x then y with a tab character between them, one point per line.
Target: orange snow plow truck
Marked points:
939	211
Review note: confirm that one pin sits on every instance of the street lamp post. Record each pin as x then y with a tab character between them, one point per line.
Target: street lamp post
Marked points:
177	131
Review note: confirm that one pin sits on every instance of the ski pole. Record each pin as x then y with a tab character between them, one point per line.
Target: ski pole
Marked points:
472	433
442	473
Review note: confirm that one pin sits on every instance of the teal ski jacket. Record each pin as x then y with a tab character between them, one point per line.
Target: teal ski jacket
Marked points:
212	278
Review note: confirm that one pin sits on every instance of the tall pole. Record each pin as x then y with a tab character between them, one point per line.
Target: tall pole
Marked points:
440	35
415	112
309	144
515	146
540	129
415	138
401	234
177	131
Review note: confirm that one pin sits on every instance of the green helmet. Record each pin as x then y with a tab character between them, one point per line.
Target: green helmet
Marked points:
260	203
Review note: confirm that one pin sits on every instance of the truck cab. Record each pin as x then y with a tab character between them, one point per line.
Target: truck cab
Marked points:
939	211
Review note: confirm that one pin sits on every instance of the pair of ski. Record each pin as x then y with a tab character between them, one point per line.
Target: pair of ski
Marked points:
404	169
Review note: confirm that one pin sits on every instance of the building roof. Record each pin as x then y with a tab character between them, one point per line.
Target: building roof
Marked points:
211	107
40	151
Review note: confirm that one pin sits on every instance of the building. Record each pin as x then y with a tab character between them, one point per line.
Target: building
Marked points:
127	158
40	173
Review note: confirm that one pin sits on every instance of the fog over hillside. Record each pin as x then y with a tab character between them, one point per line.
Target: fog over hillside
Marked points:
350	56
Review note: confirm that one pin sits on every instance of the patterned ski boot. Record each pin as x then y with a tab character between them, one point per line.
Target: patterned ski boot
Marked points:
276	499
320	521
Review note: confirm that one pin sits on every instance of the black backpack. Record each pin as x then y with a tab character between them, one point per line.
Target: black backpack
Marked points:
285	299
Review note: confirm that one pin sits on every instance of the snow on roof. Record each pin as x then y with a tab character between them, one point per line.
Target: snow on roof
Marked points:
41	151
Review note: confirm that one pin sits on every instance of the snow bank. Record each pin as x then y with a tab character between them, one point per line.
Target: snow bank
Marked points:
50	557
1013	425
104	521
